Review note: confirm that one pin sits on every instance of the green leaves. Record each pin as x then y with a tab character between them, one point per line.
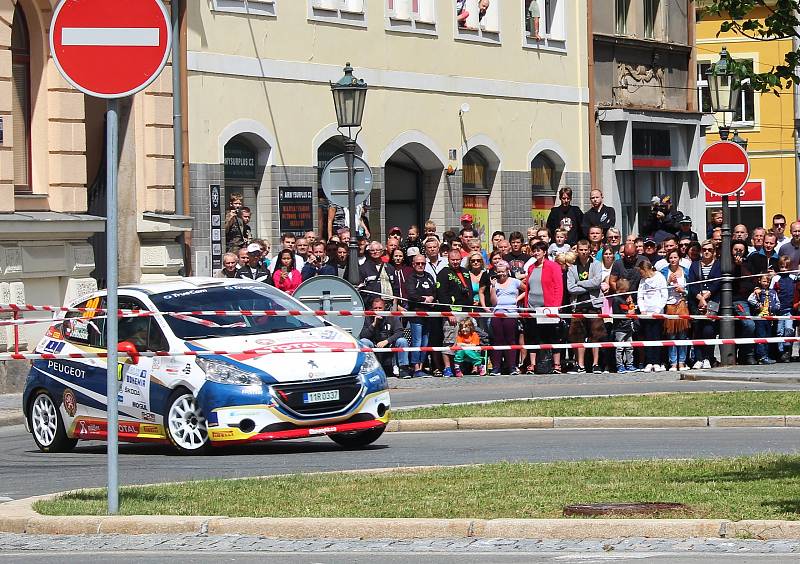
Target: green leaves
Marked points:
781	22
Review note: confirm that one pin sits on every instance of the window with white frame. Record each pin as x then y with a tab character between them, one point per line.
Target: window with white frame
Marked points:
745	114
411	15
621	16
545	20
253	7
478	20
352	12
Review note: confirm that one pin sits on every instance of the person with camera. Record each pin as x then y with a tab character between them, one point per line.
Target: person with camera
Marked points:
663	220
237	230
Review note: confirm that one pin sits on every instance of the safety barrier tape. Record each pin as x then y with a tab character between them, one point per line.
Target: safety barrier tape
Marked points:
297	348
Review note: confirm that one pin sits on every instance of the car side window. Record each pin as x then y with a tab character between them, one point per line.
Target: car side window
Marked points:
86	328
143	332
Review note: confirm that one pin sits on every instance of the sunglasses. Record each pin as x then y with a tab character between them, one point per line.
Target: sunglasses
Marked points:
708	249
475	260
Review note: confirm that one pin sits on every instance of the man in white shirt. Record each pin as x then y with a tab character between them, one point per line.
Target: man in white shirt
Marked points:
436	262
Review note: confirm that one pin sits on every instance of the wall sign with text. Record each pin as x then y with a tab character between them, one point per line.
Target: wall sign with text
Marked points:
296	210
215	207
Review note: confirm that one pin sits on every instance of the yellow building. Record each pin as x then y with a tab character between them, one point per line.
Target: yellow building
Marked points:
766	121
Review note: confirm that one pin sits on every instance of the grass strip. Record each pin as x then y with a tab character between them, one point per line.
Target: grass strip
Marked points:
653	405
756	487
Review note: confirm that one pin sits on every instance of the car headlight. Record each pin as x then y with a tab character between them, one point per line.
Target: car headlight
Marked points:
370	364
225	373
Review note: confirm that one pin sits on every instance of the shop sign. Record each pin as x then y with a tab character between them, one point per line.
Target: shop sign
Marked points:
215	207
751	193
240	161
296	210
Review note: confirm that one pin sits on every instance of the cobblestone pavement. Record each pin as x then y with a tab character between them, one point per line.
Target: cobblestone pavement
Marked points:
18	543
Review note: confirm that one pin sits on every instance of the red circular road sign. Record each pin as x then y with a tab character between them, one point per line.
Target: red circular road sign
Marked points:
724	168
110	48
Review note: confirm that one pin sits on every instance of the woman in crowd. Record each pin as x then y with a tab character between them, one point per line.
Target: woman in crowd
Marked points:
479	279
675	329
399	272
286	276
651	298
704	289
420	289
505	295
545	284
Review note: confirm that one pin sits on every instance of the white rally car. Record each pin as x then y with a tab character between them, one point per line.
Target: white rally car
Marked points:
197	401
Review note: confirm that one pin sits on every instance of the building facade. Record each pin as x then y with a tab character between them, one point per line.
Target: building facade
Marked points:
507	110
648	132
765	121
52	176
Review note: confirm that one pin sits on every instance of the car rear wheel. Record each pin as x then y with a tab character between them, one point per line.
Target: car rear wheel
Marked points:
357	439
186	424
47	425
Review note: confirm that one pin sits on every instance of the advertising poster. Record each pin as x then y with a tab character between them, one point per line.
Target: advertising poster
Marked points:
540	209
215	199
296	210
478	207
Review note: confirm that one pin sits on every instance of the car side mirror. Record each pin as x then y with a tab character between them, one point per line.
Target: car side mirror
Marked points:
126	347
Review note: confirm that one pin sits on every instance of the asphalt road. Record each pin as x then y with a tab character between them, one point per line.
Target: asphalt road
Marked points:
24	471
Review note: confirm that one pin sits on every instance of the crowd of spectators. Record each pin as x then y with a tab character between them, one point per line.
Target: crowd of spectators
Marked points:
577	263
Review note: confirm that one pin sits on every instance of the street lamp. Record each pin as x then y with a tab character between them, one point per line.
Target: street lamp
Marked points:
725	91
349	97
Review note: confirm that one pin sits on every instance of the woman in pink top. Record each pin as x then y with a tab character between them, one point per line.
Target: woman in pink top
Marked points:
286	277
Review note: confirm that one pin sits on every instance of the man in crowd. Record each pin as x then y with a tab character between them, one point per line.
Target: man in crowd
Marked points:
743	285
599	215
651	251
626	267
385	332
254	270
740	233
237	231
230	263
757	240
374	276
779	228
767	258
302	249
244	258
685	229
466	235
317	262
595	236
663	219
436	262
791	248
466	221
497	236
515	257
583	284
566	216
453	291
669	244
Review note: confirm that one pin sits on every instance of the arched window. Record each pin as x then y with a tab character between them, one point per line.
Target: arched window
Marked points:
475	169
21	101
544	177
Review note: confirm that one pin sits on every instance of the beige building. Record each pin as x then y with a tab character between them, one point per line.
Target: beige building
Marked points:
507	109
52	175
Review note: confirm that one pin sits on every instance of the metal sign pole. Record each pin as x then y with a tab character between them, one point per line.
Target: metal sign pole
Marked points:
112	386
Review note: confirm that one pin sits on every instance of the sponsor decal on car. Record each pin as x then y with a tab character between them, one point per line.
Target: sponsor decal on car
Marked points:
70	403
66	370
147	416
149	429
54	347
322	430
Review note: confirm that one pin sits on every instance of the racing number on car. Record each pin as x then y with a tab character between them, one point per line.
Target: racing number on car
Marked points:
91	304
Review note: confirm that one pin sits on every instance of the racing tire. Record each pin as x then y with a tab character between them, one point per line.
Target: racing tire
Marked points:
47	425
357	439
185	423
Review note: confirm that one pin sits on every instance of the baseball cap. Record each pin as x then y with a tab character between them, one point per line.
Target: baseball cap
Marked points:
655	200
412	251
666	199
395	229
253	248
685	219
649	242
466	217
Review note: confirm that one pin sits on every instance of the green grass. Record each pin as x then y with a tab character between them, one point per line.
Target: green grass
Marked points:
654	405
758	487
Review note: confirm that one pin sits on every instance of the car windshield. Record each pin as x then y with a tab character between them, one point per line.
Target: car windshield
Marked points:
230	298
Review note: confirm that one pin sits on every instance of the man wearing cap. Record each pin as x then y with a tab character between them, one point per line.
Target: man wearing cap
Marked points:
685	231
254	270
651	251
466	221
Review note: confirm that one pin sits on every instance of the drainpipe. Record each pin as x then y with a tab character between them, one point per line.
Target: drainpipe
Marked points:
796	98
177	117
593	183
691	39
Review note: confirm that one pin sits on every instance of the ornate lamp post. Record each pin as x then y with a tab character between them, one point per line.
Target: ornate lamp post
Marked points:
725	91
349	97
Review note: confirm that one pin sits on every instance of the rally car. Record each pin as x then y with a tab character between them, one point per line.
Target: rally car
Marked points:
246	393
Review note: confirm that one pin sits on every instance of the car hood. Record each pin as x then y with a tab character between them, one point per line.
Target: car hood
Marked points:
272	353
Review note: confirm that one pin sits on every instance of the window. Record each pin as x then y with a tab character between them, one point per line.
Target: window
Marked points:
544	175
253	7
411	15
348	12
550	22
21	102
474	169
745	114
651	142
650	18
478	20
87	327
621	16
143	332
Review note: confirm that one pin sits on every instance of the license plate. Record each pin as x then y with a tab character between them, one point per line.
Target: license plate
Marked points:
317	397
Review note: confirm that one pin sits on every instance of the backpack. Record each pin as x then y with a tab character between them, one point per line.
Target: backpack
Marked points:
544	362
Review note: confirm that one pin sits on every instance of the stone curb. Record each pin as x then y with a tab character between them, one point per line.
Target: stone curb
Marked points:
492	423
9	418
737	377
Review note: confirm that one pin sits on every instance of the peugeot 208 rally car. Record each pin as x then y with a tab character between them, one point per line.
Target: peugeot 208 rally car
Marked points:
245	393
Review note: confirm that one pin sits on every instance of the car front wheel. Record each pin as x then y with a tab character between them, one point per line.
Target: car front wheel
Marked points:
47	425
357	439
186	424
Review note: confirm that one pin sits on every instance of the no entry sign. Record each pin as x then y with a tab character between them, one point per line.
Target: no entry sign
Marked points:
110	48
724	168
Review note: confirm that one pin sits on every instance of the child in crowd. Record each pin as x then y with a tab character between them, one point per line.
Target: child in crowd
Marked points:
622	304
763	302
467	360
560	245
783	285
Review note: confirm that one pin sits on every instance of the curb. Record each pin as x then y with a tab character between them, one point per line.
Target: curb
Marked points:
10	418
735	377
494	423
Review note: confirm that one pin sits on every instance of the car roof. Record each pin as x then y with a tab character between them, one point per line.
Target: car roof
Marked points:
189	283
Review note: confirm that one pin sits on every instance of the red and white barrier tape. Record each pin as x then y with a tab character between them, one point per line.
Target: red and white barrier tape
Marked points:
291	350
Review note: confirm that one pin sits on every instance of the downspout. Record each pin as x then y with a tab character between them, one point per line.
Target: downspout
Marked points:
591	109
691	38
177	117
187	235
